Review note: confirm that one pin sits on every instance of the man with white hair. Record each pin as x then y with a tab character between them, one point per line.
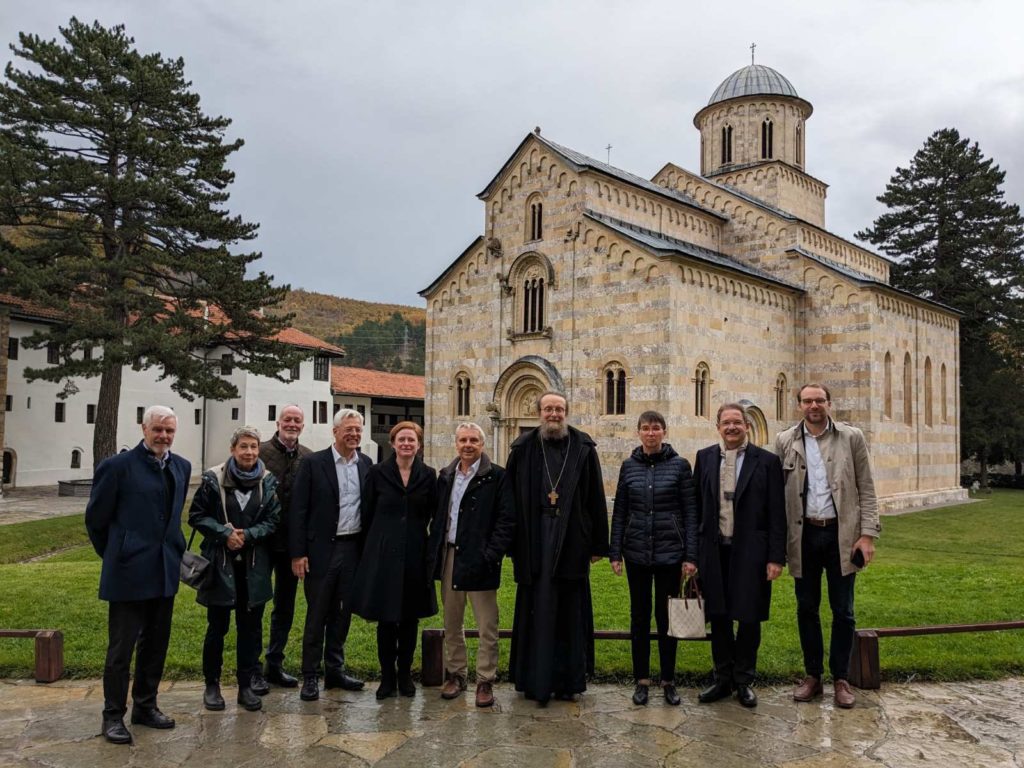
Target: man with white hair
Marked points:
325	541
134	522
472	528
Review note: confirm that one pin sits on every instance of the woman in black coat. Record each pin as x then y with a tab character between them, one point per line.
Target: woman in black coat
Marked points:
654	529
394	583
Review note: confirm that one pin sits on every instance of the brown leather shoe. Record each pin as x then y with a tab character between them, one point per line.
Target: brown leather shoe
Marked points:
842	695
484	695
453	686
808	690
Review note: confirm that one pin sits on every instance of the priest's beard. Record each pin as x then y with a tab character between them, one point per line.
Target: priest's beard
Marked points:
549	431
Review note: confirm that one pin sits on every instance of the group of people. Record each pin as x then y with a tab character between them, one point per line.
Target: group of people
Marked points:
372	540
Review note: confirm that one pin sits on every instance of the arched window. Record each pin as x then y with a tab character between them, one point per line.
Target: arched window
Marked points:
534	218
701	389
614	390
800	145
462	391
908	390
726	144
887	385
942	393
76	459
781	387
767	139
533	304
928	391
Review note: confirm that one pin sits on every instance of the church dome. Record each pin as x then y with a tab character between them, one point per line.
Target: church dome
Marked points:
753	80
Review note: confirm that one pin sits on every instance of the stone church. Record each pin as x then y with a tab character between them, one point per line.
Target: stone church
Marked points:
685	291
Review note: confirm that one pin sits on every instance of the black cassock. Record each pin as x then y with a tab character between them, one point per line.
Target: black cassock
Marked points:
552	633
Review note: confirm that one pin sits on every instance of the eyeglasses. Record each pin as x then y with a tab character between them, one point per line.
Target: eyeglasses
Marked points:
813	401
552	409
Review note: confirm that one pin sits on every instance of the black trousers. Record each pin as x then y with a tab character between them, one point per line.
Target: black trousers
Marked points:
666	584
734	654
248	628
283	614
327	612
396	645
819	552
142	627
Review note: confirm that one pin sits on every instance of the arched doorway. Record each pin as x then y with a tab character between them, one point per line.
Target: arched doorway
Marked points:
758	424
515	396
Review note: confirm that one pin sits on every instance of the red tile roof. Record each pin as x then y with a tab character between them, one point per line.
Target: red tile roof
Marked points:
28	309
298	338
361	381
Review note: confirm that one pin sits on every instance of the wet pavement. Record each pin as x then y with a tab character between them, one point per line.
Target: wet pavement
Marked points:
950	724
19	505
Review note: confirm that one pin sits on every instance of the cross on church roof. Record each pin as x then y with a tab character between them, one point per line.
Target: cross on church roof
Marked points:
752	47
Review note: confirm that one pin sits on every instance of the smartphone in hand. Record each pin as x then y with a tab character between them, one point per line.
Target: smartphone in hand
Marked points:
857	558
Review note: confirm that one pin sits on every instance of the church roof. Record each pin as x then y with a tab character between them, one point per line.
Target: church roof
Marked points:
664	244
580	162
381	384
447	270
753	80
861	279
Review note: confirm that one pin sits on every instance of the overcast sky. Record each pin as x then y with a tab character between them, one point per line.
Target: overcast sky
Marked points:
371	126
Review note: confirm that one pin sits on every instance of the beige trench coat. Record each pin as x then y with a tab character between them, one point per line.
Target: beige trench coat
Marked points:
849	476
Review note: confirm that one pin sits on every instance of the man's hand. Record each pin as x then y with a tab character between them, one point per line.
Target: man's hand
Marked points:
689	569
300	567
595	558
236	540
774	571
617	567
866	544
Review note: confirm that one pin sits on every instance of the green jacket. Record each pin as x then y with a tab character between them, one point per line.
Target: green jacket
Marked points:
208	516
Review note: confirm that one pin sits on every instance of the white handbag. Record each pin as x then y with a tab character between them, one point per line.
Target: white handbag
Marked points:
686	613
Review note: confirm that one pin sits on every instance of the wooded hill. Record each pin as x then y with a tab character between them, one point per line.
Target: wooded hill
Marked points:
328	317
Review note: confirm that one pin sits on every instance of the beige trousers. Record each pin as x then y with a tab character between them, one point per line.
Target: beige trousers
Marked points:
485	610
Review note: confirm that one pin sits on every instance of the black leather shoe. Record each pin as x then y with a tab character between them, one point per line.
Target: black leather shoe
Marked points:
247	698
386	690
342	680
274	673
746	695
718	690
640	694
258	684
671	696
152	718
406	686
115	732
212	698
310	688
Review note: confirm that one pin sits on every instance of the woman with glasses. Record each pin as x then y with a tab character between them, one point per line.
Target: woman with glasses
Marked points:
654	530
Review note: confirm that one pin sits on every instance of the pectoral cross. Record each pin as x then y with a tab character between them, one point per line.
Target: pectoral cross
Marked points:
553	497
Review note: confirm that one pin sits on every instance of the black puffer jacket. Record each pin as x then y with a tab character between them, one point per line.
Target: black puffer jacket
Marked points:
655	510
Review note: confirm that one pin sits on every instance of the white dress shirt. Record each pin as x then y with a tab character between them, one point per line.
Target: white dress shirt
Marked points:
459	485
349	519
819	495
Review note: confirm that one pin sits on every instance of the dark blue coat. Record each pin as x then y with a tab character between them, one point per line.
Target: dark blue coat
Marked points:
654	519
128	524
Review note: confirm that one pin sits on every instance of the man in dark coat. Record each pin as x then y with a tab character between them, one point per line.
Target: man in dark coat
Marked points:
742	549
561	528
281	455
468	544
134	522
325	541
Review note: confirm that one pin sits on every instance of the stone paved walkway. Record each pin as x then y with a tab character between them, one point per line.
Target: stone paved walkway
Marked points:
960	725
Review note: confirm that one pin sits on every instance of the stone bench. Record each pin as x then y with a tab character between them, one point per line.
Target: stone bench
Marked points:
864	667
432	648
49	651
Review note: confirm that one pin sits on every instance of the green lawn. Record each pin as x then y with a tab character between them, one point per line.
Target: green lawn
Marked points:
955	565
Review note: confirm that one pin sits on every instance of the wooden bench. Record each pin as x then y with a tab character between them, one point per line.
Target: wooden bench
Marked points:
432	648
864	667
49	651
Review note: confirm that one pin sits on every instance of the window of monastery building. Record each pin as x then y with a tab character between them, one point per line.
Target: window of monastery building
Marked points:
462	390
534	218
701	390
887	386
908	390
726	144
942	393
614	389
767	139
928	391
781	396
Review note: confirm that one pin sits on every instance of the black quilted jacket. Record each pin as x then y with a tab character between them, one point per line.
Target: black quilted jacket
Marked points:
655	510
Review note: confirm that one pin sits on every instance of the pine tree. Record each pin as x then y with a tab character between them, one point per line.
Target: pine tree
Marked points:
113	185
958	242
